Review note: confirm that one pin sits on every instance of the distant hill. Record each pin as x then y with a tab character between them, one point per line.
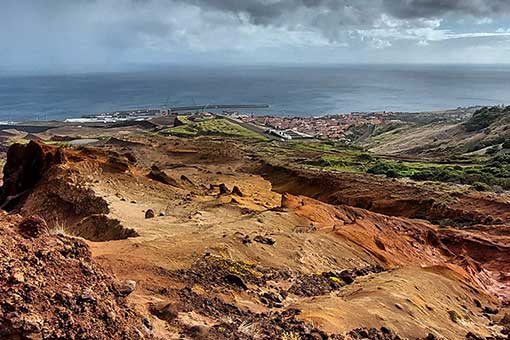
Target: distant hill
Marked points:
486	131
487	116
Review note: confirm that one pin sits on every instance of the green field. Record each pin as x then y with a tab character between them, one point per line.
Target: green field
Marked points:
212	127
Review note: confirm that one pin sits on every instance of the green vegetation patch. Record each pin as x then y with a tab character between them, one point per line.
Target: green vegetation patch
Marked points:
391	169
212	127
483	177
482	174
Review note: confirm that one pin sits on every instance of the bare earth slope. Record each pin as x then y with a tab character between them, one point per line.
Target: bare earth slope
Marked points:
217	253
50	288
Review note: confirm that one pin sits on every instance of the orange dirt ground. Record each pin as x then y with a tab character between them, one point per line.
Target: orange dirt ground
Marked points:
222	246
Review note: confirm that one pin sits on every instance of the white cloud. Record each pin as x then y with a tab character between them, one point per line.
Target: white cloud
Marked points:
484	21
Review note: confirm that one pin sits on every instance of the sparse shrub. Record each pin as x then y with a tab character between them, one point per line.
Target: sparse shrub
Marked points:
59	228
493	150
389	169
393	173
365	157
479	186
441	174
484	117
499	159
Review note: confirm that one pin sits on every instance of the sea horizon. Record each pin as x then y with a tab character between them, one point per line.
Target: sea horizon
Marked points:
290	90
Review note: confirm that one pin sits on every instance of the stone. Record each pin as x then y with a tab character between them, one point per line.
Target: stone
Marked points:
149	213
126	287
223	189
159	176
346	276
236	191
490	310
18	277
164	311
33	227
264	240
88	296
454	316
236	281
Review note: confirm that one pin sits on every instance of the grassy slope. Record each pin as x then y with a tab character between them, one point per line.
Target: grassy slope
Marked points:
484	173
486	128
212	127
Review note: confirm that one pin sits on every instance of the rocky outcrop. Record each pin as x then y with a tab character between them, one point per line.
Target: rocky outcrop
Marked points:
158	175
26	164
50	288
101	228
43	180
383	196
396	242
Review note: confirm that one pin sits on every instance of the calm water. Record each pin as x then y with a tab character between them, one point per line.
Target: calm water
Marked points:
289	90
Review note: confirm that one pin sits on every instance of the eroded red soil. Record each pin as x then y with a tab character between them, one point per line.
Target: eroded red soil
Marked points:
217	251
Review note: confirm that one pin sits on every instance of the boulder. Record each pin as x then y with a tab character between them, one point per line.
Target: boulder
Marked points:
33	226
126	287
25	166
157	175
149	213
223	189
264	240
236	191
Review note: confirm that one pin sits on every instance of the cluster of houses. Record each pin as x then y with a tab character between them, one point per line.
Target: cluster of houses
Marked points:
330	127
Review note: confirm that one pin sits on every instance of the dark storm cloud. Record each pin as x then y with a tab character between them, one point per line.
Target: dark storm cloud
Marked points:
438	8
64	33
347	12
278	11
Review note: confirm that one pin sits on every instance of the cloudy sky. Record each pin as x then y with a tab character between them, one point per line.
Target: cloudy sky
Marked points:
109	34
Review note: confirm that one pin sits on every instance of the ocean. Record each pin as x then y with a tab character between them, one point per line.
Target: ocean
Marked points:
290	90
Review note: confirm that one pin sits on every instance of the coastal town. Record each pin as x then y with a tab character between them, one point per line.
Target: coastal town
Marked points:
342	126
339	127
327	127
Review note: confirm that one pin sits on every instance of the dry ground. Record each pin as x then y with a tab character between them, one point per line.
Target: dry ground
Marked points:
253	263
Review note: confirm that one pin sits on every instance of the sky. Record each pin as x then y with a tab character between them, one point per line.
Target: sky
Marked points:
99	35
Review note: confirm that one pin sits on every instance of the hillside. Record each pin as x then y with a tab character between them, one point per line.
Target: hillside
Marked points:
485	131
218	243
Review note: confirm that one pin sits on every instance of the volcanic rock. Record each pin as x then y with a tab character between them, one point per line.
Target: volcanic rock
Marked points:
223	189
164	311
33	226
157	175
25	166
116	164
505	320
58	291
185	178
236	191
149	213
126	287
264	240
490	310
